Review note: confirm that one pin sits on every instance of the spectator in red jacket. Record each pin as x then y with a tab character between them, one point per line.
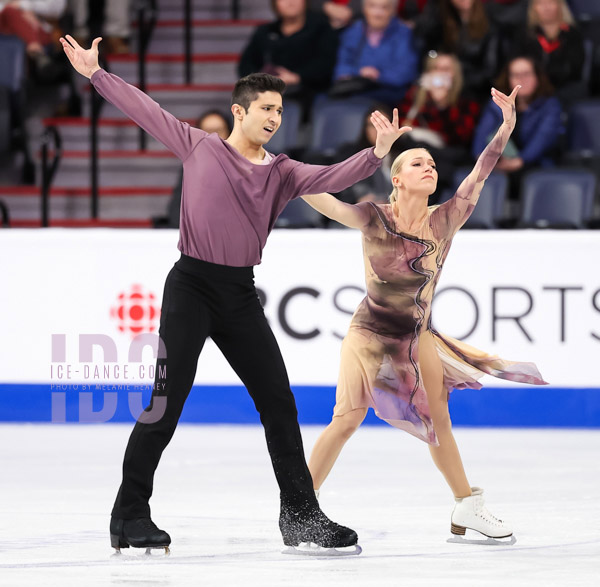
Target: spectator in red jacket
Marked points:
442	117
554	40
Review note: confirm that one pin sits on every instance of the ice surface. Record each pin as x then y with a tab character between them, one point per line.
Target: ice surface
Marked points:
215	493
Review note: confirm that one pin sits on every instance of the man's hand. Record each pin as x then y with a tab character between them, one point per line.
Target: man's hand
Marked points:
84	61
387	132
506	103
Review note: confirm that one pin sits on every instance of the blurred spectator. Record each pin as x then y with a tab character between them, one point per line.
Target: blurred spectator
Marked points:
299	47
339	12
209	121
32	21
535	138
443	119
107	18
409	10
375	188
376	58
553	39
462	27
506	15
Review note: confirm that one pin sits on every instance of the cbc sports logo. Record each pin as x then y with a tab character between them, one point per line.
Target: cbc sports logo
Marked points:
136	311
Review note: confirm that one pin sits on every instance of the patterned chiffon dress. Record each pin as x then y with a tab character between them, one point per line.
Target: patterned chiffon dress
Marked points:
380	354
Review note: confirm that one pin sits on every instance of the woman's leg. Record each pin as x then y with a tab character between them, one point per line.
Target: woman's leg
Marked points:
445	456
330	444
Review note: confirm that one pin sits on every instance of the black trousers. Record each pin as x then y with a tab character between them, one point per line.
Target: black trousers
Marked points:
203	299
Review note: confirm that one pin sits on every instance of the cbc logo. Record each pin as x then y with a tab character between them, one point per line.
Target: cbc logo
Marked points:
136	311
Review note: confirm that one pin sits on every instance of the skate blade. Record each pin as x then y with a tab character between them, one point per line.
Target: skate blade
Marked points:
485	540
311	549
147	552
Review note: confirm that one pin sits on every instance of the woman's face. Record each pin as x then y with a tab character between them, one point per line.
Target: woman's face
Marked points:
418	173
215	123
521	72
378	13
443	64
548	11
290	8
462	5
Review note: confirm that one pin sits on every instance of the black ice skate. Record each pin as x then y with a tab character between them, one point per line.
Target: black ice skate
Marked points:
138	533
311	532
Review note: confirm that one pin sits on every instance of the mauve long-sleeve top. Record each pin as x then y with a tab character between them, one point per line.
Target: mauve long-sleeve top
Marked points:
228	204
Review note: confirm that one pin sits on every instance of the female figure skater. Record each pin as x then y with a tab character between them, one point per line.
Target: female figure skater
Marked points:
392	358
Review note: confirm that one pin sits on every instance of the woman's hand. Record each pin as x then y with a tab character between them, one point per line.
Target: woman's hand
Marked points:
291	78
369	72
84	61
506	103
387	132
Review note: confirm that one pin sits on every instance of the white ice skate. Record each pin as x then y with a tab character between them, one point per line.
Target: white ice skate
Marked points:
471	513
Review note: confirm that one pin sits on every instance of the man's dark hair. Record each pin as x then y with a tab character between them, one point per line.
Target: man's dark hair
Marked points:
247	89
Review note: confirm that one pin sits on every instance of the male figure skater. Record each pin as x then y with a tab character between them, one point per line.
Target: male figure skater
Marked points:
233	191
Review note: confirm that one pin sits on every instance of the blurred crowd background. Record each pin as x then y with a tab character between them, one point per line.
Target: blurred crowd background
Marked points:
434	60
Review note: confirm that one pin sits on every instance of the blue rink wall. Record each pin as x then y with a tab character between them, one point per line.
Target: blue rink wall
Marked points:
495	407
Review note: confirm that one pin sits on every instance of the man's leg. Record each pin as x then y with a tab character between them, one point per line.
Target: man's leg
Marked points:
252	351
184	326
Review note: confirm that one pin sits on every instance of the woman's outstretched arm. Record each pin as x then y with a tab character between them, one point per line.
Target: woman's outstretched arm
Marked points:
459	208
349	215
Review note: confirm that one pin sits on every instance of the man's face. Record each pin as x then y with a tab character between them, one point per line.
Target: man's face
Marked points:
263	117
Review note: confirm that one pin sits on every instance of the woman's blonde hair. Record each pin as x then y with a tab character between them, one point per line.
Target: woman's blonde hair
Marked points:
397	167
453	93
567	15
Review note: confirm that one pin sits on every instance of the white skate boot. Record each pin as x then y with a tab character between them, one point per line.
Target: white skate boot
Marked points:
470	512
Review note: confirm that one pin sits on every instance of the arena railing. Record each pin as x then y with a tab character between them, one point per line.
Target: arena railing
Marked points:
50	137
4	214
146	18
187	36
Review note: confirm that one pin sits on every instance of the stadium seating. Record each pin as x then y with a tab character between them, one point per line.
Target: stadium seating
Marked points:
490	207
336	122
298	214
558	198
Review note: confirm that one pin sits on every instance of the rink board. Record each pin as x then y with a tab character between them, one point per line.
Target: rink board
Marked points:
73	301
491	407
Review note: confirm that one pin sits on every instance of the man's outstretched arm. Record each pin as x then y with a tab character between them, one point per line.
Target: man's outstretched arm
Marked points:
177	136
313	179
